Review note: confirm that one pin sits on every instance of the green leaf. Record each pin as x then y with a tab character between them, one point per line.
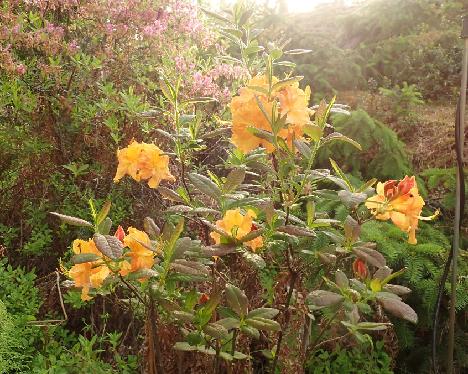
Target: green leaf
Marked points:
216	330
108	245
322	298
170	194
399	309
101	216
205	185
262	134
250	331
352	199
183	316
303	148
336	136
234	180
263	313
296	230
263	324
342	175
371	256
81	258
105	226
255	259
74	221
151	228
286	82
341	279
297	51
237	300
229	323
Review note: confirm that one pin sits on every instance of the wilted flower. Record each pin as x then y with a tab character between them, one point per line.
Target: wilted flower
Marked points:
238	225
400	202
246	112
143	161
89	274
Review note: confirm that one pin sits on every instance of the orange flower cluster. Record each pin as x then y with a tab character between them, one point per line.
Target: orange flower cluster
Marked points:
238	225
143	161
92	274
400	202
246	112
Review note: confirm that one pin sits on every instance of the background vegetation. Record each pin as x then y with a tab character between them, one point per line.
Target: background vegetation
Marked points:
74	82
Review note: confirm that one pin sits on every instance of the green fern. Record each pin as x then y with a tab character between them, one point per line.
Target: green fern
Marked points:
383	154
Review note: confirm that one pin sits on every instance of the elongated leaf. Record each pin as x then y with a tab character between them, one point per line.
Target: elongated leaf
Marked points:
263	313
216	330
205	185
371	256
151	228
108	245
341	279
351	199
263	324
251	331
341	174
219	250
399	309
297	51
74	221
101	216
322	298
105	226
183	316
190	267
303	148
81	258
296	230
397	289
170	194
229	323
237	300
262	134
234	180
336	136
286	82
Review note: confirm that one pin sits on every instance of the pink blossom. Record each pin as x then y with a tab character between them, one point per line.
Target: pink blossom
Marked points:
21	69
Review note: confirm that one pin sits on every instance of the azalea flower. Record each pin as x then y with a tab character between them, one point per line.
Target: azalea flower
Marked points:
246	112
88	275
238	225
143	161
141	257
399	201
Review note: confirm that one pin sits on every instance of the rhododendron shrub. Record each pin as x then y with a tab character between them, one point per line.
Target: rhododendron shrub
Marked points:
195	268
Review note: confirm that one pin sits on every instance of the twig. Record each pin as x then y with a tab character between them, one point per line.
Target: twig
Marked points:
292	283
60	296
154	332
329	322
332	340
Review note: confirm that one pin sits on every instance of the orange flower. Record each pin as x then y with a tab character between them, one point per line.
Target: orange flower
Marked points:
399	202
143	161
238	225
89	274
141	257
246	112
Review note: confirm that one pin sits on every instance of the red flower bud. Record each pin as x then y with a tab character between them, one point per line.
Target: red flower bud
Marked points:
360	268
120	233
203	298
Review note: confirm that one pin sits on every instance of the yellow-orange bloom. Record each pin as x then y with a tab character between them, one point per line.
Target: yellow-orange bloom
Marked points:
141	257
89	274
143	161
238	225
399	202
246	112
